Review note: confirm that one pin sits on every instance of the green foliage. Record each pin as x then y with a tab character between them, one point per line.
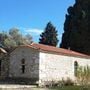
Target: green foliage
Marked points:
60	83
69	88
14	38
83	75
3	36
8	42
76	34
49	36
19	38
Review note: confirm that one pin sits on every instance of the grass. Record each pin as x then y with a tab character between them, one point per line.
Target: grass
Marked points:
70	88
64	88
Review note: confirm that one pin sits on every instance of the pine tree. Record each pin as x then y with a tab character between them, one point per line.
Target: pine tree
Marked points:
49	36
76	34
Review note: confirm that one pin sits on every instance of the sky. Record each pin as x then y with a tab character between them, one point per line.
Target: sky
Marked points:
31	16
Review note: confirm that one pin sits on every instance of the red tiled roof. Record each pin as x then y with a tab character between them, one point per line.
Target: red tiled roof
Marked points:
52	49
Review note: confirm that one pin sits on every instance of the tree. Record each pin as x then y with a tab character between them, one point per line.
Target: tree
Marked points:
19	38
8	43
76	34
49	36
28	39
14	38
3	36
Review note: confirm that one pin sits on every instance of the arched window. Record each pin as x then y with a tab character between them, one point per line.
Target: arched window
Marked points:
23	66
75	68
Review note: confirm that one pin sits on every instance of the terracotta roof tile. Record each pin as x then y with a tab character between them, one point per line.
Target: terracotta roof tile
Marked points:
61	51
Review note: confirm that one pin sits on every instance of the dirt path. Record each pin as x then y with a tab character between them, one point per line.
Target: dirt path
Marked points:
20	87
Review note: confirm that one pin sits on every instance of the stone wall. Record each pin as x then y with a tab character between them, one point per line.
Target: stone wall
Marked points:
55	67
31	57
4	65
43	66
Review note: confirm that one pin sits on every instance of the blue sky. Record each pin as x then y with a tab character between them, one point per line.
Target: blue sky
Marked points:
31	16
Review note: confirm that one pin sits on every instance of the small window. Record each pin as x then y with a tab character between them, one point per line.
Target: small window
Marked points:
75	67
23	69
23	66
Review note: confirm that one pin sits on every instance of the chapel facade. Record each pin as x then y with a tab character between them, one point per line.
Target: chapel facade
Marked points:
43	63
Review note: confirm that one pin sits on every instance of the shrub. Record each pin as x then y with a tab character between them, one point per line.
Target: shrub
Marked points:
67	82
83	75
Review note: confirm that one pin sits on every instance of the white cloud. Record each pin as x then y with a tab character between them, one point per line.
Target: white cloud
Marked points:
34	31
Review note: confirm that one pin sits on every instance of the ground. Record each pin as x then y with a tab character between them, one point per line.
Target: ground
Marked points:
29	87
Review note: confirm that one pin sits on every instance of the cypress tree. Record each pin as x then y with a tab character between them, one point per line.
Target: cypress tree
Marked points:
49	36
76	34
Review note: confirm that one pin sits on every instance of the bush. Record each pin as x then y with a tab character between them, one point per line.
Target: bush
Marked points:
67	82
83	75
61	83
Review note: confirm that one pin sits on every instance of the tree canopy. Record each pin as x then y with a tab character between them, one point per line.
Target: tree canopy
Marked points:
49	36
76	34
14	38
